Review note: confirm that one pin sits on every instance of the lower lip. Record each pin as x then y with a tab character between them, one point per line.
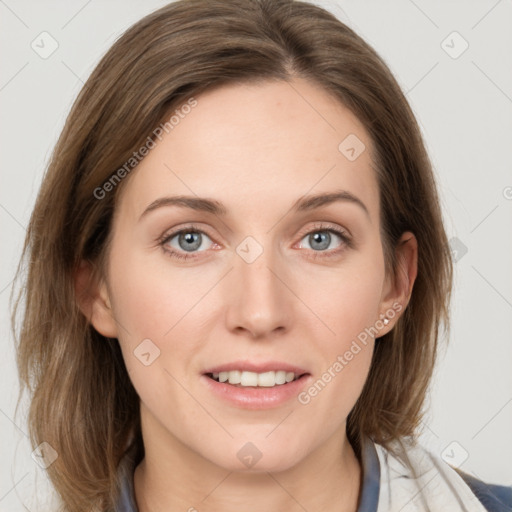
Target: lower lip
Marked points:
257	397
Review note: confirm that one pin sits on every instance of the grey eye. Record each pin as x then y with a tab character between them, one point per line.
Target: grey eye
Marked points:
320	240
189	240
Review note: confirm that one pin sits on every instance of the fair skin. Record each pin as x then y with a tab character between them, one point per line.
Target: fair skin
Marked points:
256	149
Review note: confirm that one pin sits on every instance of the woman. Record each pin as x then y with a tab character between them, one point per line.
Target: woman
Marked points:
237	276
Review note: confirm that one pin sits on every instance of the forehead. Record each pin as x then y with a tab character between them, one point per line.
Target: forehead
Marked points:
250	145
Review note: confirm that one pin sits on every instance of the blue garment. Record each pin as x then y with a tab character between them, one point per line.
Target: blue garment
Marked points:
385	477
495	498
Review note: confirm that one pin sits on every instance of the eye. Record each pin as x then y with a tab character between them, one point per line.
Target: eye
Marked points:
183	244
323	237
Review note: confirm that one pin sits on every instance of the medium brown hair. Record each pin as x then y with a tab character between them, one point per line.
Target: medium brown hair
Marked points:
82	401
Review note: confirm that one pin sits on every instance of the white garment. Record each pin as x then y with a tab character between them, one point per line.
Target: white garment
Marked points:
427	483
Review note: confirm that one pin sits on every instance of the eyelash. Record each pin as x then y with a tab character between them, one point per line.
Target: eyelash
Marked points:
347	242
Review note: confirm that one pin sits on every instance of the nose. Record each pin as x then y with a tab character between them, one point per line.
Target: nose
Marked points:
260	302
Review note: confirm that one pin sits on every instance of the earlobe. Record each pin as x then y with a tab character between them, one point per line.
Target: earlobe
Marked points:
93	300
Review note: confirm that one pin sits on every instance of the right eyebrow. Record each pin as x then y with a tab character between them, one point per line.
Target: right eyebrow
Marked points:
195	203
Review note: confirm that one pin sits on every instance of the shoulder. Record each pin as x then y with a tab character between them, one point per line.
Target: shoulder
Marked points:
414	478
495	498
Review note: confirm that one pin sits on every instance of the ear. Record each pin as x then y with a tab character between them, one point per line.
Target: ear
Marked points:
93	299
398	288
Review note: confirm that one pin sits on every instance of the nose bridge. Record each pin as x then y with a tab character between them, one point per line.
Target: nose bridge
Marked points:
259	301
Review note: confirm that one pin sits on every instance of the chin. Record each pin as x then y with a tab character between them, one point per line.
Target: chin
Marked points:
257	456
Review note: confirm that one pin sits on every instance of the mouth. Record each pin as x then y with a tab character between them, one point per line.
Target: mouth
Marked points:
248	379
257	385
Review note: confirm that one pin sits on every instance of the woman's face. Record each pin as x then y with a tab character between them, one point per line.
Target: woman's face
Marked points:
273	280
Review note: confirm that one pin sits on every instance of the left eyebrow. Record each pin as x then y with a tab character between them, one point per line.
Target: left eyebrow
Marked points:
312	202
303	204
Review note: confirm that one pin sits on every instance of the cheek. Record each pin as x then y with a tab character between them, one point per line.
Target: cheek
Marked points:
154	311
348	302
151	313
152	298
163	310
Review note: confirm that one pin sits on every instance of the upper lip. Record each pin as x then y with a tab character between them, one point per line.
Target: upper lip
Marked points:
250	366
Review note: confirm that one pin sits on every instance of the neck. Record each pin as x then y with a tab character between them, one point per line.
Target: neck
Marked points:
171	477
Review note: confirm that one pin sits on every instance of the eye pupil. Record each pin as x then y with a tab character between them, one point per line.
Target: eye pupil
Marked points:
321	237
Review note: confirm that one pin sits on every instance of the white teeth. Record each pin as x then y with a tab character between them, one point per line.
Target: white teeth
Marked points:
267	379
280	377
249	379
264	379
234	377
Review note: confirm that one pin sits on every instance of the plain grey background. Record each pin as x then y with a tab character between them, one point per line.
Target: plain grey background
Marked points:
452	59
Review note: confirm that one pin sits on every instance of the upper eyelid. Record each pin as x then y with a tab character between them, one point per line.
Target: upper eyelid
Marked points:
172	233
325	226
